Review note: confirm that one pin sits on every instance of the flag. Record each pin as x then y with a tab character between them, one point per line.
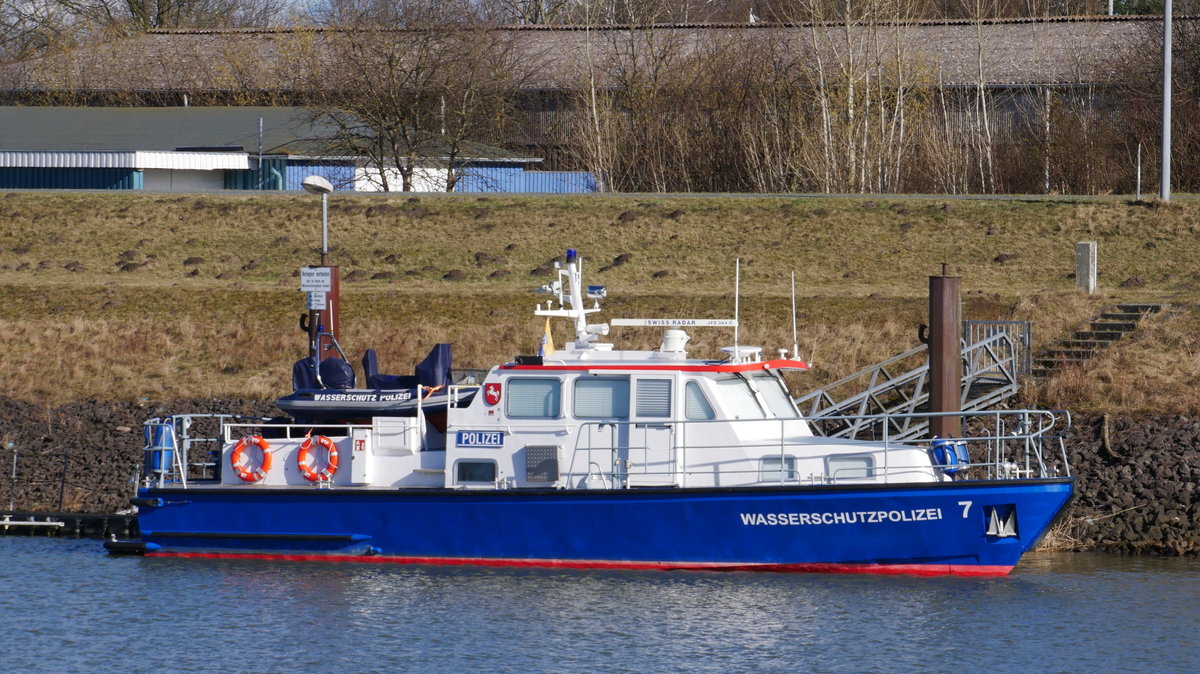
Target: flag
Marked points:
547	346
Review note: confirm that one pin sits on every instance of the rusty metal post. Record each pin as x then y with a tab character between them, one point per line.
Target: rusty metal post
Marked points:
945	353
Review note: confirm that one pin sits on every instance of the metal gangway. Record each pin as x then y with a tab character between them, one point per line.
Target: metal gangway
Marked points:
894	392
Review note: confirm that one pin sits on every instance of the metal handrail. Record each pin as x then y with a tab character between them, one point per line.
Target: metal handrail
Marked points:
227	429
179	428
317	351
1020	332
1031	428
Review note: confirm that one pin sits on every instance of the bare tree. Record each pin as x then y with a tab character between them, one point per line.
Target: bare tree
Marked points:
417	97
35	27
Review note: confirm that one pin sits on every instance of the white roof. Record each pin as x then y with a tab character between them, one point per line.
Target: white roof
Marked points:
193	161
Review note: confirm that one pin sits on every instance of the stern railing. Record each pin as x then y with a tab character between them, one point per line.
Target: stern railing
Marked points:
170	447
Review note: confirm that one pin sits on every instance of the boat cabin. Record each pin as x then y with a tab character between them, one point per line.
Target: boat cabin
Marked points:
584	417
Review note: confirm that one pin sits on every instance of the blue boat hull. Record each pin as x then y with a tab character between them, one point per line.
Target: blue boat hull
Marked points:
927	528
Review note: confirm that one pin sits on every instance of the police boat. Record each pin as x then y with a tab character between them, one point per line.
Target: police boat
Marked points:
590	456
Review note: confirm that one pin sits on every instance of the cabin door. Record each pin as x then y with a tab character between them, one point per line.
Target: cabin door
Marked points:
652	459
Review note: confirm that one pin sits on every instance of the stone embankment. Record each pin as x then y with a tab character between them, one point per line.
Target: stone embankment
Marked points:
1137	491
84	457
1139	484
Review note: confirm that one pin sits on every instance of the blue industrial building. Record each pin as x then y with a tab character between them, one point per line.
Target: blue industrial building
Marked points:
190	149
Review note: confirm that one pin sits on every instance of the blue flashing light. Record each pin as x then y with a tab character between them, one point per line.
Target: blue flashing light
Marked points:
597	292
571	255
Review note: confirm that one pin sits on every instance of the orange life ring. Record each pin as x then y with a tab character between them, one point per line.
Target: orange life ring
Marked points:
240	458
307	459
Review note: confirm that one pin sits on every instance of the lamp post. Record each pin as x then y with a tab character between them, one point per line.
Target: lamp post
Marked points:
323	317
321	186
1164	189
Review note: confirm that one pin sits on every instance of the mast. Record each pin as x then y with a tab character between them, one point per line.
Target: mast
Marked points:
572	297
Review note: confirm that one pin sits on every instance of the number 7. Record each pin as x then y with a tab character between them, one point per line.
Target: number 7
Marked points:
966	507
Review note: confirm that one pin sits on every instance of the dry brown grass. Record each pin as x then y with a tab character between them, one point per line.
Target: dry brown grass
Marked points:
166	326
1056	313
1059	538
1153	370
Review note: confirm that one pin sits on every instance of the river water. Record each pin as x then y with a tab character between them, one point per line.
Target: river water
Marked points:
66	606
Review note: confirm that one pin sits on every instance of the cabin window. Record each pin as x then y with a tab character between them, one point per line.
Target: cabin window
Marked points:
851	467
530	397
602	398
774	394
695	405
653	398
737	398
476	471
777	468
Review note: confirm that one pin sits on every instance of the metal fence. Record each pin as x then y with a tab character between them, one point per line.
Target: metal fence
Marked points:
1020	332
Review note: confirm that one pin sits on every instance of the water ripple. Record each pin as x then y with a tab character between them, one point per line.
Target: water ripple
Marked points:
66	606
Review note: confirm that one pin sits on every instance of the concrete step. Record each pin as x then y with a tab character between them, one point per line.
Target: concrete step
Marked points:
1053	359
1110	325
1140	308
1047	372
1058	359
1121	316
1097	336
1114	326
1068	354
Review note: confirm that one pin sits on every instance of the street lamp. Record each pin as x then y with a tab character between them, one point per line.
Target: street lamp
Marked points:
319	185
323	302
1164	189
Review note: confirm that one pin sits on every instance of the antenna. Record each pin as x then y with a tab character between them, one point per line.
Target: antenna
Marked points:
573	298
795	340
737	296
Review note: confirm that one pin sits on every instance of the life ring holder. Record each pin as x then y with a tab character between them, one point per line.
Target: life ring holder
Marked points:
306	459
239	458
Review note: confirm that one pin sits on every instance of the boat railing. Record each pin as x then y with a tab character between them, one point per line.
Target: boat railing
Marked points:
999	444
460	394
234	431
1012	443
172	443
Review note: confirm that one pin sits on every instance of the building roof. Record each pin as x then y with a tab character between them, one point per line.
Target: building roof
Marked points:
1008	51
107	159
225	129
211	131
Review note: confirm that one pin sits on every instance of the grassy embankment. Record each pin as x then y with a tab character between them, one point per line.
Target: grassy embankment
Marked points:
122	296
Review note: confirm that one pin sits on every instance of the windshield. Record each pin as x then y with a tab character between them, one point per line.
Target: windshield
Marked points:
775	394
737	396
737	399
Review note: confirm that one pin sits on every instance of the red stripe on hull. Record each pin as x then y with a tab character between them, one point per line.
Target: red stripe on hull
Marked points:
881	569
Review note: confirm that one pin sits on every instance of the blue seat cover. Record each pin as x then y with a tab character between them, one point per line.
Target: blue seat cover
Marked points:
304	374
337	373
